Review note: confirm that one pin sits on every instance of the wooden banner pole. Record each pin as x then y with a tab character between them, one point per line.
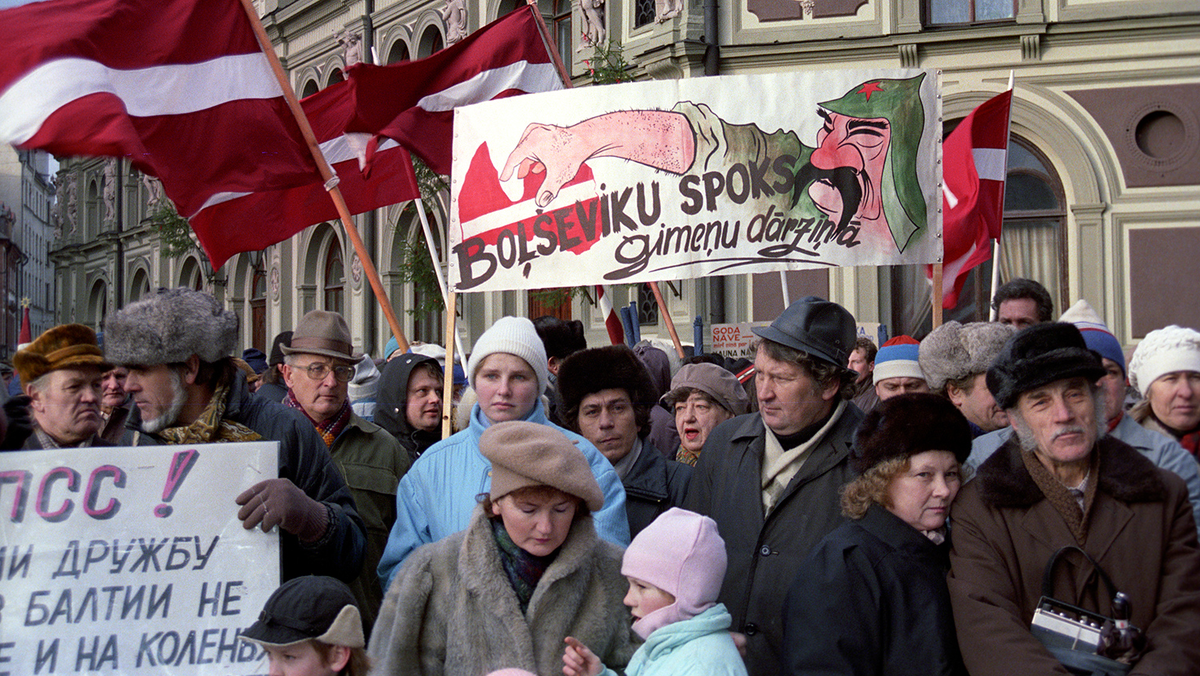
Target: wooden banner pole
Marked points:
664	314
326	173
936	295
448	376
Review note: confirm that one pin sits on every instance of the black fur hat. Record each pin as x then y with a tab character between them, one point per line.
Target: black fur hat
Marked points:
909	424
1038	355
604	368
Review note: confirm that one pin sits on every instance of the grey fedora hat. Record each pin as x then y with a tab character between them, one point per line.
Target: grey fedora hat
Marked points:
324	333
814	325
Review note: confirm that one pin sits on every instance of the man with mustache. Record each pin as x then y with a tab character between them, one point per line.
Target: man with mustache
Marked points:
861	175
1062	482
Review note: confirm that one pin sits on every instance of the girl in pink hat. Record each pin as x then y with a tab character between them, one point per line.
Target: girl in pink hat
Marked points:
675	567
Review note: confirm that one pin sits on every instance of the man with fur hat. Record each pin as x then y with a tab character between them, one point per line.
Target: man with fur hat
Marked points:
771	479
1162	450
63	370
318	366
954	358
606	395
1061	482
178	346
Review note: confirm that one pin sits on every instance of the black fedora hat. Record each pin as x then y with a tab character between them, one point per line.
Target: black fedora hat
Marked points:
814	325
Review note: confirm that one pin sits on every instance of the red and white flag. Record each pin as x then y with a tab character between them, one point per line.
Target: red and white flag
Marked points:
180	87
414	102
250	221
974	164
616	330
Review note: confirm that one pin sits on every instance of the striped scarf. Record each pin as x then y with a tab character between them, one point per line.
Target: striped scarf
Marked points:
328	429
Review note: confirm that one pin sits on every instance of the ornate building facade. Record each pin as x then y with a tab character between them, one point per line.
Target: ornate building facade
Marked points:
1104	165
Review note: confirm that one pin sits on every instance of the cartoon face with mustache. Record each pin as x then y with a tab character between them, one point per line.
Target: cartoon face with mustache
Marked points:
845	172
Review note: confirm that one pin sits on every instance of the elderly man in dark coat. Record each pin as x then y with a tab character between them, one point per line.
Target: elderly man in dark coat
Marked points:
606	395
178	346
1061	482
771	479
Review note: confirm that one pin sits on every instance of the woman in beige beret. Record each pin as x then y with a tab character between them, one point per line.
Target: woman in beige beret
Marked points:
526	573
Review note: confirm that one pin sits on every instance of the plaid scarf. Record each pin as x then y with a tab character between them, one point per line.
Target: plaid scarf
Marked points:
1062	498
211	427
330	428
523	569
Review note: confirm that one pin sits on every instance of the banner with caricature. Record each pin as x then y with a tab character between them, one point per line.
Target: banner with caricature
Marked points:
705	176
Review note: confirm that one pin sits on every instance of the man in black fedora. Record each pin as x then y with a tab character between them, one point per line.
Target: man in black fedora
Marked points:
771	479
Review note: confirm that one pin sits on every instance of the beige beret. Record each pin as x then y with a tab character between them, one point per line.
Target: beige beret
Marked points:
527	454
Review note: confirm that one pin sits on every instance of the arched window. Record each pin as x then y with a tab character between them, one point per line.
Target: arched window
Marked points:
398	52
98	303
431	41
335	278
335	77
258	310
309	89
140	286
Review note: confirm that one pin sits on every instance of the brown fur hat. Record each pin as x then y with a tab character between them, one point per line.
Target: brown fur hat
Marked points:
605	368
65	346
909	424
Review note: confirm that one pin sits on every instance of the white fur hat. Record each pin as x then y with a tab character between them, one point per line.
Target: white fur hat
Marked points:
1163	351
515	336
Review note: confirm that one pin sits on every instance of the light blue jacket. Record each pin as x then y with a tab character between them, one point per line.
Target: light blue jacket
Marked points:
437	495
701	645
1163	451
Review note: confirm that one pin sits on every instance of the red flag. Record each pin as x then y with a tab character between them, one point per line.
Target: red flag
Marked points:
616	331
974	162
234	222
180	87
26	334
413	102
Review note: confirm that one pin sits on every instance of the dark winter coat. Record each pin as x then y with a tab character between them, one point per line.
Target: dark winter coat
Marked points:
766	550
304	459
872	600
1139	529
391	401
652	486
372	463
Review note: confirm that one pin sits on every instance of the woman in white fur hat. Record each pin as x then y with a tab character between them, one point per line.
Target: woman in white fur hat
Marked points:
508	372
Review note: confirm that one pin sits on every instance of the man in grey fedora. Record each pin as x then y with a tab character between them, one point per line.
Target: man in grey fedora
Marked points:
317	367
771	479
178	346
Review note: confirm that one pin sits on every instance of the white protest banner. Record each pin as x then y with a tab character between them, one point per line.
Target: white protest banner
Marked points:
132	560
686	178
733	340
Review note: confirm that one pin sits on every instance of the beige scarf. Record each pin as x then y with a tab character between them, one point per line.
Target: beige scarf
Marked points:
780	465
210	427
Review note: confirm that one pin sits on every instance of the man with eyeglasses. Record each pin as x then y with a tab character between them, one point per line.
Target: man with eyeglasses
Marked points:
318	367
178	346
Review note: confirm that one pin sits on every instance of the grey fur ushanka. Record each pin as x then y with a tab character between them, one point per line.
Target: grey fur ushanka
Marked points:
452	611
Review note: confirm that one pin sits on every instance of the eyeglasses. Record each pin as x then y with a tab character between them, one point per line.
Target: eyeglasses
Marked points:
318	371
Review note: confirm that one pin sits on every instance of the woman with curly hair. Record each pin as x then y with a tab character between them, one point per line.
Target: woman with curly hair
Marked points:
872	597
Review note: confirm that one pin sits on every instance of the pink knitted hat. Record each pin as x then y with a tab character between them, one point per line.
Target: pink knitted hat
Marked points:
682	554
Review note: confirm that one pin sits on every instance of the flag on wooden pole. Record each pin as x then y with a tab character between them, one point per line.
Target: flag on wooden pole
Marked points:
180	87
413	102
974	164
612	323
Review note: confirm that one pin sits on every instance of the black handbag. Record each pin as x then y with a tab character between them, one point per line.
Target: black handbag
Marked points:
1079	638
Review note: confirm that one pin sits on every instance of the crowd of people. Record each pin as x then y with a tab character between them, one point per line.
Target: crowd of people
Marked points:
922	507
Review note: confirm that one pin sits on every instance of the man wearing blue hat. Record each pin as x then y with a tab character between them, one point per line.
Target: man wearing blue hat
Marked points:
771	479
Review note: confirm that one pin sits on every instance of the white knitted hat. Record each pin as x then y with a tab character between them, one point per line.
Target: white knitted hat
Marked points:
516	336
1163	351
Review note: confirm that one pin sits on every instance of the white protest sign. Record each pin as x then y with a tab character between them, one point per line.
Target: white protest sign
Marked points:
733	340
132	560
687	178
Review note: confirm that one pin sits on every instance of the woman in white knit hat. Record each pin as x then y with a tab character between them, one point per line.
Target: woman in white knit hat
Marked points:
507	370
527	572
1165	368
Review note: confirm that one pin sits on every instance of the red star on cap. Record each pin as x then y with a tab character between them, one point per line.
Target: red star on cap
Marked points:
869	88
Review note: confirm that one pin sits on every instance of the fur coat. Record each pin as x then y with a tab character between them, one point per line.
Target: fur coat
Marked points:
1139	528
451	609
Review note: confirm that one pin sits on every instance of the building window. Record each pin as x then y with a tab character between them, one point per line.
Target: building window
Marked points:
647	306
951	12
335	277
643	13
258	311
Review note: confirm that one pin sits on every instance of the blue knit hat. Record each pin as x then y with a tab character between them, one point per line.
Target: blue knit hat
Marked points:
898	359
1095	332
